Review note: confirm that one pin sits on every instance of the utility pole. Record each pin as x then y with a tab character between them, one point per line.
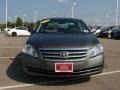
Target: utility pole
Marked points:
15	20
35	17
107	23
73	4
6	13
117	8
24	19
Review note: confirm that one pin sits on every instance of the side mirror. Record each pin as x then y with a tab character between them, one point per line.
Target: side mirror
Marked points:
87	31
32	31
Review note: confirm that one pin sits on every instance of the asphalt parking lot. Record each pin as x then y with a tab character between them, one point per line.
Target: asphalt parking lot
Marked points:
13	78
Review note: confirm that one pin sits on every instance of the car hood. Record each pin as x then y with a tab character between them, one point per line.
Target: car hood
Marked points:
62	41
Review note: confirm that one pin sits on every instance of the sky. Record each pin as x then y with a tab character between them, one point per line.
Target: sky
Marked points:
91	11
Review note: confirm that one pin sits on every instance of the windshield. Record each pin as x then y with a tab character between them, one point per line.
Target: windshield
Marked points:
62	26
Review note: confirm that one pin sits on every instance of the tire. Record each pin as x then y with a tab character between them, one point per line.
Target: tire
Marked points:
109	36
14	34
97	35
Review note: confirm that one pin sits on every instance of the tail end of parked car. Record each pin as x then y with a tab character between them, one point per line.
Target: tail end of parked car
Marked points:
32	31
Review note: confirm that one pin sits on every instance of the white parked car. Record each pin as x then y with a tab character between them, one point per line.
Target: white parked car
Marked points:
94	29
18	31
98	31
6	29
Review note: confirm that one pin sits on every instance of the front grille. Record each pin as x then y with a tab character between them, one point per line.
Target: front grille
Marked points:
70	55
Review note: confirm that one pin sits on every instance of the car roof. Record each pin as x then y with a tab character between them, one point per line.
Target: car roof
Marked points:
62	18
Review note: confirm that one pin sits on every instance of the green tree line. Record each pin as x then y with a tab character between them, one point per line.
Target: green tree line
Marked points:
19	22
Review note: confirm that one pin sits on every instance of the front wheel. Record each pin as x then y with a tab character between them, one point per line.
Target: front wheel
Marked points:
97	35
109	36
14	34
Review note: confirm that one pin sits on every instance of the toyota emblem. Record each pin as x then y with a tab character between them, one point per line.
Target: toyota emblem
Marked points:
64	54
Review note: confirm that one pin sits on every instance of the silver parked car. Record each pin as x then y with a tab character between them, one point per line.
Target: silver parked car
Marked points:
62	47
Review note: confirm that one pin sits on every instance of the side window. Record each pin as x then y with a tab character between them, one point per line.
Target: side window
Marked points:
83	27
74	27
17	28
51	27
22	28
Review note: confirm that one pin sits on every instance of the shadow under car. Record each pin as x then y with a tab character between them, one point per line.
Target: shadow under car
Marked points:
15	72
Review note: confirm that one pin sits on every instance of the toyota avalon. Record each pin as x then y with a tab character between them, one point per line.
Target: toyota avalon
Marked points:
62	47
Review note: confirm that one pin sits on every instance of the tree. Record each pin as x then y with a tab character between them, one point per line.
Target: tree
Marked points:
19	22
37	24
12	25
2	26
9	24
26	24
32	26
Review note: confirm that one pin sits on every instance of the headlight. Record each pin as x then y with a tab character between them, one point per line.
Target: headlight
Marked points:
96	50
110	31
28	49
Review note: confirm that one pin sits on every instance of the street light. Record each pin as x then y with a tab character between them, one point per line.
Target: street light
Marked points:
73	4
10	19
6	13
35	17
15	20
107	20
117	12
107	16
23	19
1	15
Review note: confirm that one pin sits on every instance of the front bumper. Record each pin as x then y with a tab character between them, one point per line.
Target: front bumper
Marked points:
37	67
7	33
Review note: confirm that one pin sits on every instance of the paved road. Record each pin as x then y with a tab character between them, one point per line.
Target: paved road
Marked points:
13	78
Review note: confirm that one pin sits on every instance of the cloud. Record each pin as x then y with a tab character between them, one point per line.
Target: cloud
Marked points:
62	1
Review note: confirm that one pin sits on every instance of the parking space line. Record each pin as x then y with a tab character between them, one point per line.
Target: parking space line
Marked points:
10	57
28	85
107	73
11	47
12	42
6	57
15	86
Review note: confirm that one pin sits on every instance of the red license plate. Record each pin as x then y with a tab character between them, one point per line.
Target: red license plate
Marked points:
63	67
